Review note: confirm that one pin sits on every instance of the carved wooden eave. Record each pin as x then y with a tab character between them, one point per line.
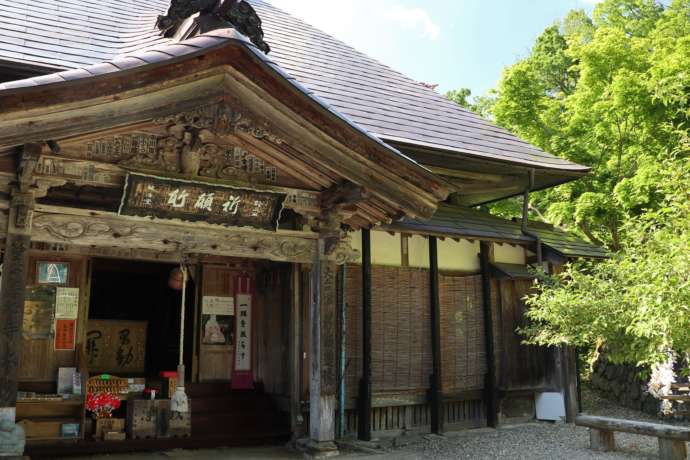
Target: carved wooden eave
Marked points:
255	107
81	228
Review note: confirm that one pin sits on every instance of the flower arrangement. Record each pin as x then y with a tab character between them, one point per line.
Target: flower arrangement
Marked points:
102	405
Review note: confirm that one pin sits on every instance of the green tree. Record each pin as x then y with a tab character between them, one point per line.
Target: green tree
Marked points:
636	303
612	91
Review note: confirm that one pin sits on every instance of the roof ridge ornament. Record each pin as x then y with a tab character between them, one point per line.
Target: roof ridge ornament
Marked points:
215	14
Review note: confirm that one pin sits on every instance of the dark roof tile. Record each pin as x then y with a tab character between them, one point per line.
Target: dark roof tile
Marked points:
459	221
77	33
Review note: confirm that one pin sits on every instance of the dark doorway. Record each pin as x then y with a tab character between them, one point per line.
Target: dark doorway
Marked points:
139	291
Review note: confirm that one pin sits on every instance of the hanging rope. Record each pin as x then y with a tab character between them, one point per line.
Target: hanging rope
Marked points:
179	402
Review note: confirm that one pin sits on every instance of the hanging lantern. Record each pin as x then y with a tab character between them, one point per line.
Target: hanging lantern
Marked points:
176	279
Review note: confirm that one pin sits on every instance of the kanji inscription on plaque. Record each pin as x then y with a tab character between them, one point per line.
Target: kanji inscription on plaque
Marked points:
152	196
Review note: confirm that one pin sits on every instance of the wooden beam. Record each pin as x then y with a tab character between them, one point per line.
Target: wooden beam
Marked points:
435	400
364	399
344	194
105	229
127	111
490	386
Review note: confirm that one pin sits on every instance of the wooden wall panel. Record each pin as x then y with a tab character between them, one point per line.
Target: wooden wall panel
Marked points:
522	366
39	361
272	328
463	353
215	361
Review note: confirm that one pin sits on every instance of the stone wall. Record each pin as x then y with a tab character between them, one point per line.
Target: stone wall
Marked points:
622	383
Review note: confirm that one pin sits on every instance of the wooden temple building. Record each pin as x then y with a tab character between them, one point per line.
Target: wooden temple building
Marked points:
341	281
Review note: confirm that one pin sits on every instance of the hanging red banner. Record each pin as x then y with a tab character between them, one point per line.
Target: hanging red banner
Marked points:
242	377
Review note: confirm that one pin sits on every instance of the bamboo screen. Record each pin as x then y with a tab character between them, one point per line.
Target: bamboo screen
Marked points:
463	356
401	329
401	334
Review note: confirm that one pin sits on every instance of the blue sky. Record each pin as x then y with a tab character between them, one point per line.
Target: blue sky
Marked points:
451	43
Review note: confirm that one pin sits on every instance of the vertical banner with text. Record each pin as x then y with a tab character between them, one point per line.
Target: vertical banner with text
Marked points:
242	377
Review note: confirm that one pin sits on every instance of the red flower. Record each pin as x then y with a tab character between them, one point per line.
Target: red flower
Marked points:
102	404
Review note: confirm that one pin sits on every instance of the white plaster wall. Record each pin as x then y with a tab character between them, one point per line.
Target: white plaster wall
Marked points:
509	254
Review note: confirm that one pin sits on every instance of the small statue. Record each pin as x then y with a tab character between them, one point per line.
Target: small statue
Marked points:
12	439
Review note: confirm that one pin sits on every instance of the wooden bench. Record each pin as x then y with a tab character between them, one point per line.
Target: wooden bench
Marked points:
672	439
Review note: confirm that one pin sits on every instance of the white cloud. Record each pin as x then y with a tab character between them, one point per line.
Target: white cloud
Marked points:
414	19
591	2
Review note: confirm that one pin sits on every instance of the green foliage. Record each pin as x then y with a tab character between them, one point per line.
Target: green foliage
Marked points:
638	302
481	105
612	91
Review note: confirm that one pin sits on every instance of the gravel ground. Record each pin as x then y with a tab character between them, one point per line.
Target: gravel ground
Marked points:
537	441
531	441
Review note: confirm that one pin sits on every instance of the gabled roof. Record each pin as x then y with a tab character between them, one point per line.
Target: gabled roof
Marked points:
459	221
73	102
74	33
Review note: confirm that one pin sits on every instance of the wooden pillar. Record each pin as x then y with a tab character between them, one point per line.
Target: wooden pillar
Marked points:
436	398
15	266
323	372
364	399
569	382
294	353
490	389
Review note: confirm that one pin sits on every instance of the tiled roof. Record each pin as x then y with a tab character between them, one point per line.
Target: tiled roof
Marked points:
459	221
68	34
186	49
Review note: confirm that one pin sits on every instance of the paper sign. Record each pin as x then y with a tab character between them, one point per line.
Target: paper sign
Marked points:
66	303
243	353
224	306
65	333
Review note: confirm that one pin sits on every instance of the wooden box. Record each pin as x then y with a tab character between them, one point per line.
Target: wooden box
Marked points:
173	424
154	419
41	429
142	418
108	425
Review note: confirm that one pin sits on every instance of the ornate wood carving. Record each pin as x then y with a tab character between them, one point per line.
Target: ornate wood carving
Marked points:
133	233
190	146
182	9
344	253
237	14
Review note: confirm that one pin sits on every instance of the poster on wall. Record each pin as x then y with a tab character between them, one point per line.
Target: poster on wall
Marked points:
212	305
217	329
39	305
66	303
65	334
52	272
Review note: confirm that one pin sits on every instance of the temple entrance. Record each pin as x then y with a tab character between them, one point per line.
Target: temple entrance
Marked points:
134	302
